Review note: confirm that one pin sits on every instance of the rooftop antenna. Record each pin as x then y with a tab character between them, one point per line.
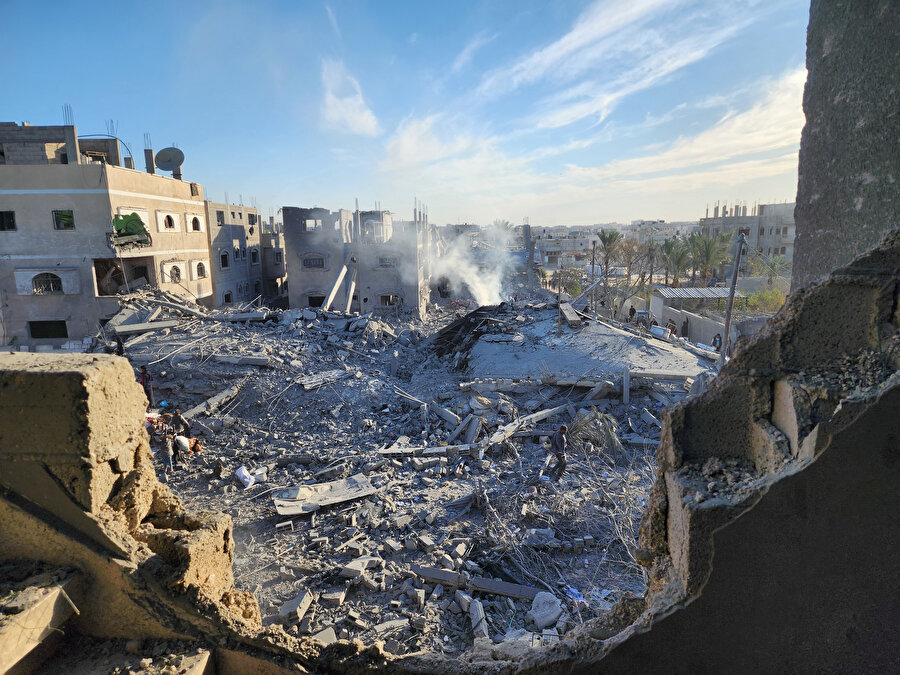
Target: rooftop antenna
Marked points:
68	115
170	159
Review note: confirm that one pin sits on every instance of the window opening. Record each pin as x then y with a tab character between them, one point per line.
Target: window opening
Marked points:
64	220
46	284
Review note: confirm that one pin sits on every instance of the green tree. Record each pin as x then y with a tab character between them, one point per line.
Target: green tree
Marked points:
667	249
678	261
609	242
710	252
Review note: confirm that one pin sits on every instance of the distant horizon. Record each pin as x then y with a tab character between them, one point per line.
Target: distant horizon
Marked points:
563	114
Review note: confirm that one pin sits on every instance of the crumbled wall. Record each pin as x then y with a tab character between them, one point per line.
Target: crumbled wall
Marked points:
849	180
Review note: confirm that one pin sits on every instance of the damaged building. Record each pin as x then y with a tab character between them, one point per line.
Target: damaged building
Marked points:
371	496
356	261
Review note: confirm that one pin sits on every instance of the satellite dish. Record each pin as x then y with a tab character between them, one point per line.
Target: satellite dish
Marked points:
169	159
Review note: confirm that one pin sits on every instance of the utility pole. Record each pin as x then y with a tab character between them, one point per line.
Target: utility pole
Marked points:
558	298
593	291
734	277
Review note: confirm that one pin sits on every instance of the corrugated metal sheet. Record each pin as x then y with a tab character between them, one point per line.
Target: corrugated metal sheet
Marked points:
713	293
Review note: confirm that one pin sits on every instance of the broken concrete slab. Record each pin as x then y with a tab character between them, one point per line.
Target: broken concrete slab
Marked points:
305	499
545	610
295	609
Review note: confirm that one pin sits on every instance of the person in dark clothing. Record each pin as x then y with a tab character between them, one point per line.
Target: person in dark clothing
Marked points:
684	329
120	346
558	447
717	342
147	384
168	453
180	424
631	312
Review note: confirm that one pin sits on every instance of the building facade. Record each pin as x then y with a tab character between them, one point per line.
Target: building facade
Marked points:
61	259
360	262
275	279
236	253
768	228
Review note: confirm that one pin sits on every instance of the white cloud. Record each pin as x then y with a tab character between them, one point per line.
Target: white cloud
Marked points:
343	107
468	52
602	19
333	21
415	143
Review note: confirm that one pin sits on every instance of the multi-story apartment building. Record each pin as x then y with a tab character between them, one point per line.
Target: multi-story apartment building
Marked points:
275	280
62	258
234	244
769	228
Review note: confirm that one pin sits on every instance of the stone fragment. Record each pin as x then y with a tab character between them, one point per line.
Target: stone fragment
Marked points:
545	610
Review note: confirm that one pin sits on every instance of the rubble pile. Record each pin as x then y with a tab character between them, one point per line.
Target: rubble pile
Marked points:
380	492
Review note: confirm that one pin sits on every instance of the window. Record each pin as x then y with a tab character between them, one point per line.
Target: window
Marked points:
783	248
254	256
316	300
175	274
243	253
46	330
240	215
387	262
237	253
7	220
63	220
46	283
232	215
223	261
195	224
762	232
169	223
389	300
314	262
220	218
278	257
251	219
226	297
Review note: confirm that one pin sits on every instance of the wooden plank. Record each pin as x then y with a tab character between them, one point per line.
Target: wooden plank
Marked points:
459	429
212	403
436	575
508	430
661	375
448	416
241	360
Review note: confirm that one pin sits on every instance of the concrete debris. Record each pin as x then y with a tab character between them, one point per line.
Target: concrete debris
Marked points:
309	498
545	610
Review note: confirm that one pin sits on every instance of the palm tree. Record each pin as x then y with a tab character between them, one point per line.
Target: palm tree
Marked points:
651	254
710	253
693	243
608	245
678	260
668	248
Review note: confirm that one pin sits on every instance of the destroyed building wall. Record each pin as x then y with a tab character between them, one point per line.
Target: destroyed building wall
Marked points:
54	225
235	252
78	489
387	274
849	164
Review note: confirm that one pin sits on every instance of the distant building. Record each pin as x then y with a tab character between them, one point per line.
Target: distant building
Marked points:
768	228
62	259
360	261
234	244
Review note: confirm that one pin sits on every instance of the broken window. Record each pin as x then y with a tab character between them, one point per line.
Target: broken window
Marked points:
243	253
316	300
223	261
226	297
314	262
175	274
220	218
389	300
7	220
201	271
254	256
63	220
195	224
251	219
46	330
278	257
46	283
237	253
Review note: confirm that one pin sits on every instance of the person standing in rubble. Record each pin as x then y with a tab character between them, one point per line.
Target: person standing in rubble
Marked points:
168	452
147	384
558	444
181	426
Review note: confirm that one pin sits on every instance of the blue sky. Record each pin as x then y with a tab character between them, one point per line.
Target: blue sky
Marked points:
567	113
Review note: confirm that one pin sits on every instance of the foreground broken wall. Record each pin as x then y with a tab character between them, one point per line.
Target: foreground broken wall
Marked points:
847	193
78	489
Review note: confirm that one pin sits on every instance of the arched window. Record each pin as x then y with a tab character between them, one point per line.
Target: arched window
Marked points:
254	256
170	223
224	259
195	224
201	271
46	283
175	274
237	253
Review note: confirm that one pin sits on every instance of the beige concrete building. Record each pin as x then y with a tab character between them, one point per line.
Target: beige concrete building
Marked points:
60	263
234	245
275	279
